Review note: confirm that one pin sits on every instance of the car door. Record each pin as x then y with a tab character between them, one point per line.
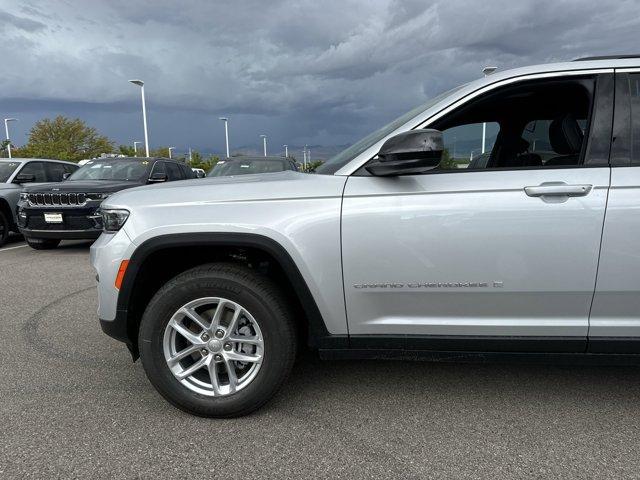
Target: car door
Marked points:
615	316
477	251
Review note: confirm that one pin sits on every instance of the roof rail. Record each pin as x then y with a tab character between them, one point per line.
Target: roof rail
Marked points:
607	57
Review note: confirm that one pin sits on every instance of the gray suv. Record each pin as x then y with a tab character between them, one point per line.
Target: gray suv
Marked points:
15	173
399	247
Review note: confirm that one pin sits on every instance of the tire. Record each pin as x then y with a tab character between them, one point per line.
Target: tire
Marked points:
42	243
4	228
260	299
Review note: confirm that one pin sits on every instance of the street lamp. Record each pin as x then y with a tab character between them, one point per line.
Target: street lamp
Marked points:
140	83
170	150
304	163
6	129
486	72
286	151
264	144
135	148
226	133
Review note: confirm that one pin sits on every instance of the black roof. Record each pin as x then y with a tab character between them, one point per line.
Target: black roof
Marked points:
608	57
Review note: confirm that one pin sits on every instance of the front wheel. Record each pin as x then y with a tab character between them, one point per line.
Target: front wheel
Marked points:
43	243
218	340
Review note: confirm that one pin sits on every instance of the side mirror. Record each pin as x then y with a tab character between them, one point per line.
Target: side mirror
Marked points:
408	153
158	177
24	178
66	175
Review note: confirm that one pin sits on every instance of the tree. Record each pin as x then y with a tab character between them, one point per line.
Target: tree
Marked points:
128	150
65	139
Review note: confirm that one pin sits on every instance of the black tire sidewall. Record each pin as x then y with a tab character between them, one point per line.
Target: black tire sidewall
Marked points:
279	343
4	234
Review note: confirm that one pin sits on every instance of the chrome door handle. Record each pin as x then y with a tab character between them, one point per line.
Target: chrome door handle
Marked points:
558	190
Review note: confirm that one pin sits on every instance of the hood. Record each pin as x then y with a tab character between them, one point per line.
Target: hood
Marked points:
82	186
10	186
258	187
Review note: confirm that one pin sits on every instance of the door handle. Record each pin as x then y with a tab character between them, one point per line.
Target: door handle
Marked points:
558	190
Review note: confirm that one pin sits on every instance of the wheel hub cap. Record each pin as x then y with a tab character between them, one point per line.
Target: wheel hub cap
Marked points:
214	346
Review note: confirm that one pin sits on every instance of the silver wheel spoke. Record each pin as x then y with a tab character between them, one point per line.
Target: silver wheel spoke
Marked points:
246	340
183	353
185	332
213	375
244	357
201	322
192	369
234	321
217	316
231	372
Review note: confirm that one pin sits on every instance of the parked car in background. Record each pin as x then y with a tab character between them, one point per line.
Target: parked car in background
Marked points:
246	165
69	210
14	174
200	173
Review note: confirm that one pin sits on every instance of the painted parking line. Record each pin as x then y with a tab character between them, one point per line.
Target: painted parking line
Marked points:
13	248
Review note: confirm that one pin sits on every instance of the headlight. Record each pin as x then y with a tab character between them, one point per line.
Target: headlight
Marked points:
113	220
24	197
97	196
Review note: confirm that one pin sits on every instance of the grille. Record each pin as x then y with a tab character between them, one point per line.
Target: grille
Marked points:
57	199
69	223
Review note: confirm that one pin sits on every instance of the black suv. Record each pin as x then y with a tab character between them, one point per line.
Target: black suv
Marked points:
69	210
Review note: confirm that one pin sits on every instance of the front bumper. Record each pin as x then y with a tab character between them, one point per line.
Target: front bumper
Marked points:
106	254
77	223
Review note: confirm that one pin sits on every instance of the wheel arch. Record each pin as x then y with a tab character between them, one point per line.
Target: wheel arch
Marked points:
160	258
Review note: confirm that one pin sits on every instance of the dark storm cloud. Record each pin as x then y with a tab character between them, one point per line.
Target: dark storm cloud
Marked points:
300	71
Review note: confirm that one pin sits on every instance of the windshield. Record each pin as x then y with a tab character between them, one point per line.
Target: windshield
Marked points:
120	169
225	168
6	169
334	164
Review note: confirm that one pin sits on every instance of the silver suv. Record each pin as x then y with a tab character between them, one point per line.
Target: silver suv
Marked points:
15	174
498	219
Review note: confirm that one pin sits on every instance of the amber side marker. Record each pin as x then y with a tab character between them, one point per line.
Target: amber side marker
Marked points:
121	271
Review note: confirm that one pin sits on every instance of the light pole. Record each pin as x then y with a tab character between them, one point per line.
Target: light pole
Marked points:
264	144
286	151
135	148
140	83
486	72
304	164
226	133
6	129
170	150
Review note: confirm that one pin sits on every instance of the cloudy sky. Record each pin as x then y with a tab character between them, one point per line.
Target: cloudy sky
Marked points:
316	72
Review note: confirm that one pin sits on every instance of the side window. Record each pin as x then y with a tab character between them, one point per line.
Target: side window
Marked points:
468	146
69	168
634	103
534	124
36	169
158	167
55	171
173	171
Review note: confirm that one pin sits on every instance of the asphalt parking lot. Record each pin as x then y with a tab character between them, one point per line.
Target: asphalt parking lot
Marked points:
74	406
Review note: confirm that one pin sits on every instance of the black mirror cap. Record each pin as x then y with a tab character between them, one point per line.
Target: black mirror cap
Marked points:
158	177
408	153
66	175
24	178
